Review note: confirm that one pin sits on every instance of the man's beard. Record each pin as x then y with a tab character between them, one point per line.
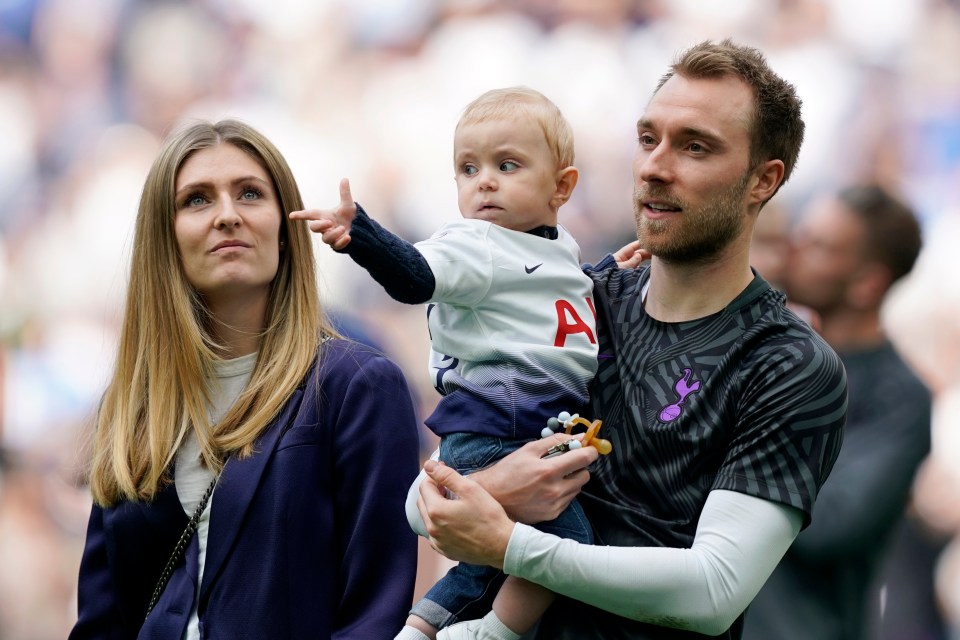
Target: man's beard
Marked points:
698	235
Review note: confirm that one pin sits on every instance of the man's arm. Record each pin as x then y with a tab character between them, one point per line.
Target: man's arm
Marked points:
530	488
739	541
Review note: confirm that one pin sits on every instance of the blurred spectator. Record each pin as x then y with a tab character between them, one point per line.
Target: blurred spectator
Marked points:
905	605
770	254
38	549
922	320
850	249
770	246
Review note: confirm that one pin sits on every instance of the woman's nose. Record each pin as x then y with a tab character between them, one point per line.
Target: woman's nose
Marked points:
227	215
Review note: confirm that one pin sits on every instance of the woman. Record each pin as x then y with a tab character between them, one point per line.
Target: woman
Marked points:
228	379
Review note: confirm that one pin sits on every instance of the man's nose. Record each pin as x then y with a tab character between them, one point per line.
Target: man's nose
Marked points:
653	165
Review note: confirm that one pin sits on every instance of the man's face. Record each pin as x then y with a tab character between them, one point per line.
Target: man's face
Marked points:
827	256
691	169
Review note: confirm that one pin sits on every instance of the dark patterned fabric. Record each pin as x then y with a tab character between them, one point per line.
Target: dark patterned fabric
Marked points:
749	399
821	588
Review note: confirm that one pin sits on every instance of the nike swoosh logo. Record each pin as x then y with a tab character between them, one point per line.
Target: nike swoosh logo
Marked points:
532	269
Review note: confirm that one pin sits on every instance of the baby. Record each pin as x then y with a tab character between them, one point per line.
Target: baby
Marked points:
511	319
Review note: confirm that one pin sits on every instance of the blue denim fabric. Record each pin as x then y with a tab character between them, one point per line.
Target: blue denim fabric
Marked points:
467	591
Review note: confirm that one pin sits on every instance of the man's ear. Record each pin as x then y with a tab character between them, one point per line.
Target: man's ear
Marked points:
766	178
566	182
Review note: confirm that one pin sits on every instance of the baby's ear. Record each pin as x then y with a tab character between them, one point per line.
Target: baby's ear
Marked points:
566	182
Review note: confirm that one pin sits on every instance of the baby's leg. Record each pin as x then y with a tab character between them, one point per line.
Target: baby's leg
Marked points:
416	628
517	607
519	604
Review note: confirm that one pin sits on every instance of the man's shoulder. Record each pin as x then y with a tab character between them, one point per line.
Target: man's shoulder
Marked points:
614	282
779	325
779	346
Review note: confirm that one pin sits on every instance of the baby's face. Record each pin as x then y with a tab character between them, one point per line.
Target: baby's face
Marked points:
506	174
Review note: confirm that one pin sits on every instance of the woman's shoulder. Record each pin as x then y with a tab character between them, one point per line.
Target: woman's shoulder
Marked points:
346	369
346	357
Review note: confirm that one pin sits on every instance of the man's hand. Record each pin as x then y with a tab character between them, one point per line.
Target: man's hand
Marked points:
631	255
532	489
333	223
469	525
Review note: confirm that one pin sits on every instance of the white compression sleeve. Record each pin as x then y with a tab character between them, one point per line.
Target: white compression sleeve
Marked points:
739	541
413	514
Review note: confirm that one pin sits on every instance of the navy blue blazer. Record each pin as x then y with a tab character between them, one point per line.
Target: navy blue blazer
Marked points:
308	537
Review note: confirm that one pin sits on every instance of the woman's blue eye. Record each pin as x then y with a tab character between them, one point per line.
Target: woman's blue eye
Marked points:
509	165
250	194
195	200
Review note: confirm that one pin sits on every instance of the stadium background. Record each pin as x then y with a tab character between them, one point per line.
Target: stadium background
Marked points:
371	90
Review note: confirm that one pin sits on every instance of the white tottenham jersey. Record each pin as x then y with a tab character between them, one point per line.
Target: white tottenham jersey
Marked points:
512	326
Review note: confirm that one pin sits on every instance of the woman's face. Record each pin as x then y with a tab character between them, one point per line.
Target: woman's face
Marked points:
227	225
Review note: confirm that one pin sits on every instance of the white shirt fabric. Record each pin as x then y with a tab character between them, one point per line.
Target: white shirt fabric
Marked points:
739	541
511	321
191	477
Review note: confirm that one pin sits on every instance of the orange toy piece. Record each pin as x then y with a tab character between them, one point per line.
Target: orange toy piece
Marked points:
590	438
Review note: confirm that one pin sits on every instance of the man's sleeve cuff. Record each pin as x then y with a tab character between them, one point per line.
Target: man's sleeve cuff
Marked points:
516	548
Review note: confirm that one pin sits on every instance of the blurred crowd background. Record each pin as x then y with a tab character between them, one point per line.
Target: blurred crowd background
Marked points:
371	90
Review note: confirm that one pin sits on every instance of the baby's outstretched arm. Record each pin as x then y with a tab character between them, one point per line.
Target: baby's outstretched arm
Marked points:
333	224
392	261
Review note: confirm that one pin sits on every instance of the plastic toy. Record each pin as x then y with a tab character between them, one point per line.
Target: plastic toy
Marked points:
567	422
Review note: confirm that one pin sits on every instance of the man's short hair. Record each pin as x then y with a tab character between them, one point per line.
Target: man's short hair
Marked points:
777	127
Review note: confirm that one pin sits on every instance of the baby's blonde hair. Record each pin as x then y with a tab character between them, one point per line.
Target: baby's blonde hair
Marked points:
523	102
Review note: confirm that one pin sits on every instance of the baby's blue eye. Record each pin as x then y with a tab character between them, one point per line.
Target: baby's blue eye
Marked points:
470	170
509	165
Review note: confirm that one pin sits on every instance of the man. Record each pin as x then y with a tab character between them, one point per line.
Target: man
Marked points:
724	409
770	245
850	249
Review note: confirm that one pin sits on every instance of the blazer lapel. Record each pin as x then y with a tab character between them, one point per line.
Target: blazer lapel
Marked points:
235	491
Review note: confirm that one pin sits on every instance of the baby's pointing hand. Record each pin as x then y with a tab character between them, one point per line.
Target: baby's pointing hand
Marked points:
333	224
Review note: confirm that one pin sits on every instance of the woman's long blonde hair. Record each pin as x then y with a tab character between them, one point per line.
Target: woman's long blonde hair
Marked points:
167	351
